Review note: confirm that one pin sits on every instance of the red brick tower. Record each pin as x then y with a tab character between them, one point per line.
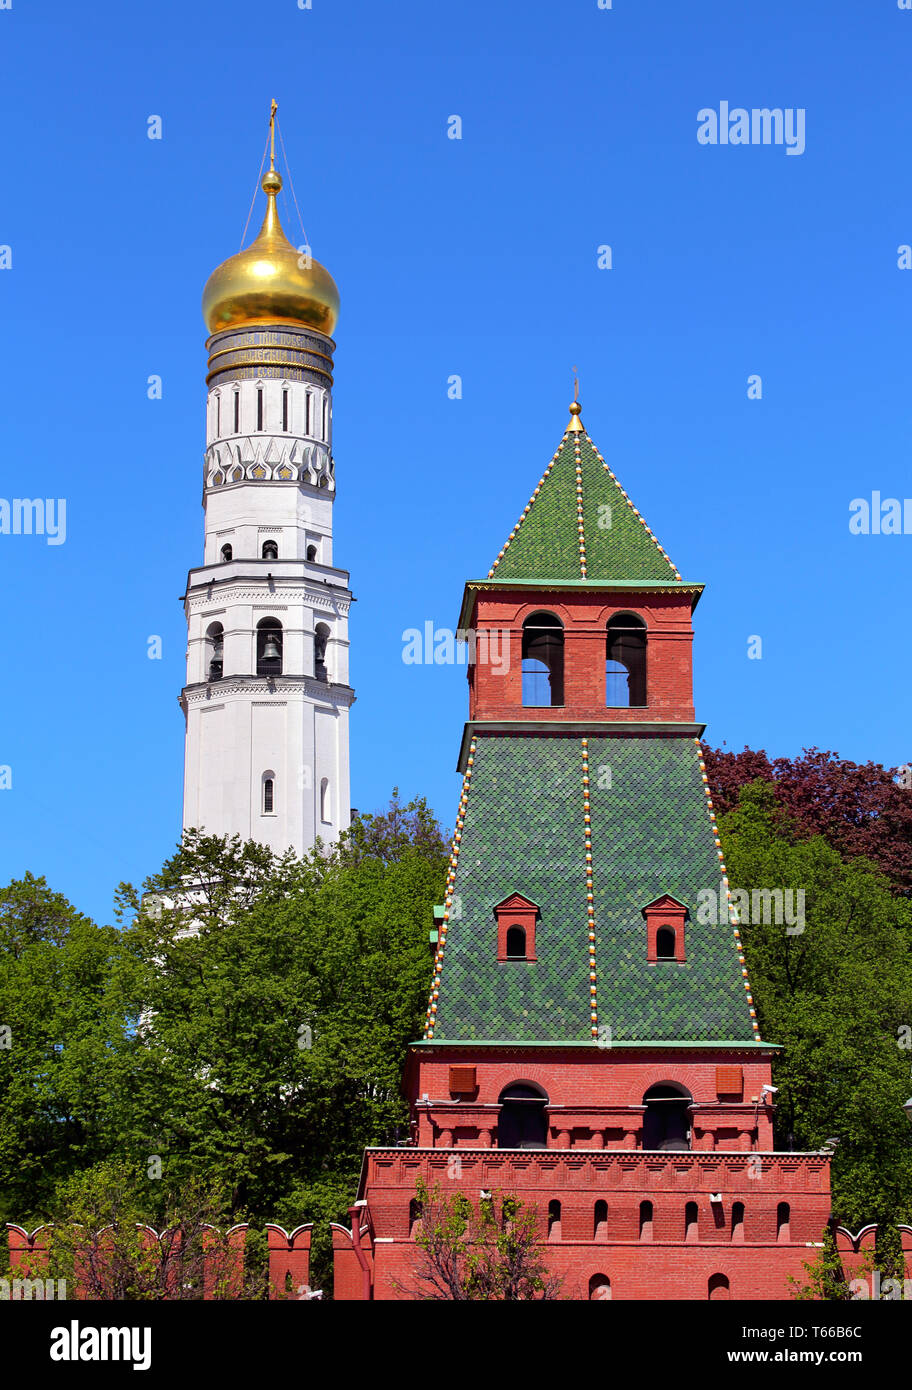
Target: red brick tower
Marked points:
591	1043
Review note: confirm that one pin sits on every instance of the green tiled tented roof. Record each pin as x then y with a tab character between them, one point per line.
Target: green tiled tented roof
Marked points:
523	831
615	542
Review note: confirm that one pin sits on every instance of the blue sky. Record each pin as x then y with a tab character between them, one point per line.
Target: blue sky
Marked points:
475	257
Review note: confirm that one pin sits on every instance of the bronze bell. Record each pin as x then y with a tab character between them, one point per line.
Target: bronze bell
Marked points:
271	650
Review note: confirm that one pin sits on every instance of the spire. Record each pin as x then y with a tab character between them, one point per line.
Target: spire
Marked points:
581	524
576	425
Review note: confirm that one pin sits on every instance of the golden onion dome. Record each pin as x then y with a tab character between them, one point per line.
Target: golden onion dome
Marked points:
270	281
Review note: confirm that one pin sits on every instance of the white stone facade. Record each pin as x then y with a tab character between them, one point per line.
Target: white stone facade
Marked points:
268	692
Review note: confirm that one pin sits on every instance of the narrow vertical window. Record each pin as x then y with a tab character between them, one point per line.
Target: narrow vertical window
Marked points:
325	807
307	405
325	417
554	1220
737	1220
259	407
268	795
691	1222
237	412
285	409
218	416
783	1221
600	1221
645	1221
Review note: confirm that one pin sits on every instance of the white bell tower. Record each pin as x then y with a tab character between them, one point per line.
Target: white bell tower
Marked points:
267	695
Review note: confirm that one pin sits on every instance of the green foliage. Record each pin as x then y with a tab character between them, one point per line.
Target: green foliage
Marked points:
249	1022
58	1020
100	1243
838	996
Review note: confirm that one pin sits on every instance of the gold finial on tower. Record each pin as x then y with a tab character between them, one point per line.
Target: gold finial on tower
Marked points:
271	281
576	424
272	179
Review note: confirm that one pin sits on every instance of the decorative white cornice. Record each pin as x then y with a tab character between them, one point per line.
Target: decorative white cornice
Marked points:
227	594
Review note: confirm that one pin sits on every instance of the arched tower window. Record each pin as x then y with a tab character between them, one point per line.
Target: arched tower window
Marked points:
259	407
321	637
600	1287
237	412
215	650
227	553
218	415
285	409
311	552
718	1286
646	1213
308	412
783	1221
666	1123
268	793
414	1216
522	1123
625	662
269	647
325	802
543	660
600	1221
691	1222
270	550
516	943
554	1220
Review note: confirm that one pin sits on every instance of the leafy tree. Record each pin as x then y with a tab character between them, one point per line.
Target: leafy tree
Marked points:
58	1022
489	1252
838	996
861	809
99	1241
273	1002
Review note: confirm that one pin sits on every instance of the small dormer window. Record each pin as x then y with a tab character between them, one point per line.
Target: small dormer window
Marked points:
665	919
516	920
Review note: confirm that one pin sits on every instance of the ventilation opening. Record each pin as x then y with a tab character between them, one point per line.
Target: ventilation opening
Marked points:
516	943
665	943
